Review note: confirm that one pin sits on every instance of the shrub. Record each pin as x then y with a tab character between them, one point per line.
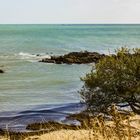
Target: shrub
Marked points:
116	80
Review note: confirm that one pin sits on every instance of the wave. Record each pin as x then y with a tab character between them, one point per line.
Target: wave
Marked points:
18	121
33	57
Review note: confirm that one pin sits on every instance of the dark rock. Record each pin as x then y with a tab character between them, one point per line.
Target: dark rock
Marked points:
2	132
46	60
52	125
1	71
75	58
58	62
38	55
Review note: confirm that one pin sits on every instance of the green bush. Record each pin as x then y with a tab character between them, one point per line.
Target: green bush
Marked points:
116	80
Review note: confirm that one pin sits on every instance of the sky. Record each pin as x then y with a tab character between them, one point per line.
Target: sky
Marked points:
69	11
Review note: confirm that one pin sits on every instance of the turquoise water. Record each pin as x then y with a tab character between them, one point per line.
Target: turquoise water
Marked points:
27	83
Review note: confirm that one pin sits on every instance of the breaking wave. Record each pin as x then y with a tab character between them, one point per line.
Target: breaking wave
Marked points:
33	57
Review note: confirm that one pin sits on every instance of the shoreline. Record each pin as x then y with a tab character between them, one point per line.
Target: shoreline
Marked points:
87	126
19	120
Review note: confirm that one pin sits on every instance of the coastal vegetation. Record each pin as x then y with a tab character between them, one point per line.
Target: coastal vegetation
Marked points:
116	80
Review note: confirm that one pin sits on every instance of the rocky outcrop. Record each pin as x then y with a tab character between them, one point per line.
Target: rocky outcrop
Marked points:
1	71
75	58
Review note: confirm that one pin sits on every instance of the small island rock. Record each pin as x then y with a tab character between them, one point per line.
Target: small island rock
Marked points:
75	58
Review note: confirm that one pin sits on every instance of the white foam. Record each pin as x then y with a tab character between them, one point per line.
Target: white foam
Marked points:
33	57
26	55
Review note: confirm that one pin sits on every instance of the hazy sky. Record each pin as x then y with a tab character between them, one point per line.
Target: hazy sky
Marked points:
69	11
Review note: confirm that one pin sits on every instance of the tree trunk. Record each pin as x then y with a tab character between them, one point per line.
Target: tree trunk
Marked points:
135	107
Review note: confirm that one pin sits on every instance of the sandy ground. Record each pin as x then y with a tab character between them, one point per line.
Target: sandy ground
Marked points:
72	135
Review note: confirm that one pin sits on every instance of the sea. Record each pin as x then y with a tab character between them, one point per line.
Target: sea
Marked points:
34	91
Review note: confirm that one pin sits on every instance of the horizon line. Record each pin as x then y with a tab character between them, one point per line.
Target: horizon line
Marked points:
69	23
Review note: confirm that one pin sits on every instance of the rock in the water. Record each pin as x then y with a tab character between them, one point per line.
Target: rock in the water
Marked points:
46	60
75	58
1	71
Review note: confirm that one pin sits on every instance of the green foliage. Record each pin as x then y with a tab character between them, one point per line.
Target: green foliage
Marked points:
115	80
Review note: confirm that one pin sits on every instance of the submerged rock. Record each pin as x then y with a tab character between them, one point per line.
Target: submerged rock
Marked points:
51	125
1	71
75	58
